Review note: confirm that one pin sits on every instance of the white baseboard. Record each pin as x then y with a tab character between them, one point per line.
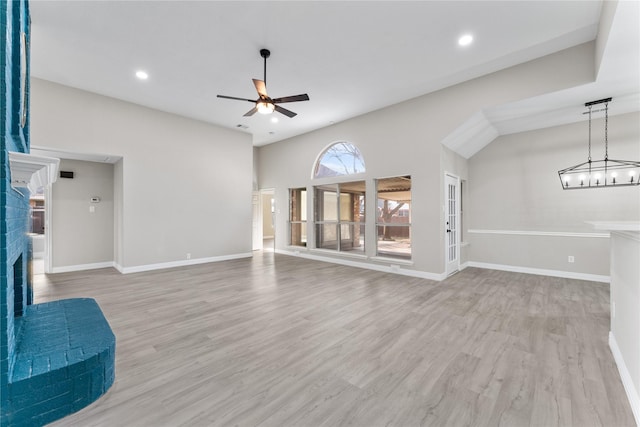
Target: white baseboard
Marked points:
82	267
390	268
625	376
181	263
540	271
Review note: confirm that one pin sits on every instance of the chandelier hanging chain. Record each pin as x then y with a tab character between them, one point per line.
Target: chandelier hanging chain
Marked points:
606	131
589	158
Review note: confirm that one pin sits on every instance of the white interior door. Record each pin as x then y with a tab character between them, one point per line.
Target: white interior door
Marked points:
452	223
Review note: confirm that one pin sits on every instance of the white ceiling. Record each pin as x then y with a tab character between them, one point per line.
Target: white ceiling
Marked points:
351	57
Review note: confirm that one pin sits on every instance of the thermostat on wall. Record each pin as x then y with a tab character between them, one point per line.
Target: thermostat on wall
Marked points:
95	200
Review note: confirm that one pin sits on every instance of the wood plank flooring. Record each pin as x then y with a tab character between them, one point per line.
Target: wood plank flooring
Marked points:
282	341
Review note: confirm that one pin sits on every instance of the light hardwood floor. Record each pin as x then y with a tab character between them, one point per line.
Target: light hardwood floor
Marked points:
283	341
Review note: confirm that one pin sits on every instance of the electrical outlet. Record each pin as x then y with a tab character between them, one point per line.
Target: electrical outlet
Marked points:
188	256
571	258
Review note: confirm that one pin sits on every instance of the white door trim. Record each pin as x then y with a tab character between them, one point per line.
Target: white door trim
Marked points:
48	229
256	226
451	266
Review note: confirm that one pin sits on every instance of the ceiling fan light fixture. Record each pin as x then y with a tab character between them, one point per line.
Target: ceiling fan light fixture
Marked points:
265	107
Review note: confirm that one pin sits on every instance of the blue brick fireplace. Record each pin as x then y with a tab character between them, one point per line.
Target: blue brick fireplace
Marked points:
55	357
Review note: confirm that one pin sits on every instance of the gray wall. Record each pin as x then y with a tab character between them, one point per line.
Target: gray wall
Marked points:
405	139
185	184
79	236
514	186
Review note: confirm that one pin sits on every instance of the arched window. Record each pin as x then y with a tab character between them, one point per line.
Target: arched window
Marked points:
341	158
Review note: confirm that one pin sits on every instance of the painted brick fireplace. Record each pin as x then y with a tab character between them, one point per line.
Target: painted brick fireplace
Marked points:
56	357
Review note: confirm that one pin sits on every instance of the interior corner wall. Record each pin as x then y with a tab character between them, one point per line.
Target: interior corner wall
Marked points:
118	212
83	231
405	139
186	184
255	183
520	216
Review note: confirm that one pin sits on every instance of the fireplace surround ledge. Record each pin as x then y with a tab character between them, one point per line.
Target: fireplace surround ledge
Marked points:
64	360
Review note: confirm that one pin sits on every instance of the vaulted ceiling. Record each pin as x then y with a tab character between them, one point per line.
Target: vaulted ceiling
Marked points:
351	57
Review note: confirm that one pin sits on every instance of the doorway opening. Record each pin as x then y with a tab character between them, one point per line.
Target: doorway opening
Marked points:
264	220
268	206
38	229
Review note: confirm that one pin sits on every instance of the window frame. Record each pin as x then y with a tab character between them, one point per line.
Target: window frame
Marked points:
319	162
356	226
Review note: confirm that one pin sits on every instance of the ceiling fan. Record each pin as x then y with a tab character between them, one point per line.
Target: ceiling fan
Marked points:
264	104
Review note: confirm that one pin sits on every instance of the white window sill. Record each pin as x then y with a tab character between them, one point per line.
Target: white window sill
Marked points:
391	260
342	254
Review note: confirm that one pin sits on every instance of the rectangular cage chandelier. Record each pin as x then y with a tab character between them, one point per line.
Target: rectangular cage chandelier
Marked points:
600	173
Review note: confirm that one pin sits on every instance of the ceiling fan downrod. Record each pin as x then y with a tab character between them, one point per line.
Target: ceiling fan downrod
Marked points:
265	53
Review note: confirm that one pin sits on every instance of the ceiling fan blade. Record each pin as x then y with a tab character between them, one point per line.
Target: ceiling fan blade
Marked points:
251	112
284	111
261	88
295	98
239	99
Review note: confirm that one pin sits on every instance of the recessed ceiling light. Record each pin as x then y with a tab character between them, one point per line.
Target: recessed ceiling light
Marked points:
142	75
274	120
465	40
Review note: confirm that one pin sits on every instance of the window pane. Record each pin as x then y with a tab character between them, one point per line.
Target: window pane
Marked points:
394	240
326	206
298	216
352	237
298	204
327	236
346	207
342	158
298	234
394	216
330	206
